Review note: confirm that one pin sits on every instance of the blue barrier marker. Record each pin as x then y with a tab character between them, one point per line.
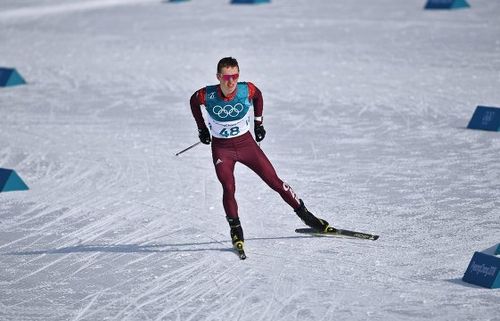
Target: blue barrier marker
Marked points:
485	118
446	4
10	181
483	270
10	77
249	1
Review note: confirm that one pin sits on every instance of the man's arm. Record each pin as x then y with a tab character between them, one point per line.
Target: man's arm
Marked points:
198	99
255	95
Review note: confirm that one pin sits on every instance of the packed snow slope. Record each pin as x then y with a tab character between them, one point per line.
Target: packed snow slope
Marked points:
366	108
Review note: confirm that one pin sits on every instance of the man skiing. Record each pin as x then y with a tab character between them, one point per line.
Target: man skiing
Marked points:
228	106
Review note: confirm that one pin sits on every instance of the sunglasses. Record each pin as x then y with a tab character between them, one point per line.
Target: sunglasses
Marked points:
229	77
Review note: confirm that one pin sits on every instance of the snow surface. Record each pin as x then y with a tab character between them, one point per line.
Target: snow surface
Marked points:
366	104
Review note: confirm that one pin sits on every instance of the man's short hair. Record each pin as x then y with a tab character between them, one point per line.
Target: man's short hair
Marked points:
227	62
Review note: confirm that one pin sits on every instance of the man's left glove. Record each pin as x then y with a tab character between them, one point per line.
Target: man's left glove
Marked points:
260	132
204	136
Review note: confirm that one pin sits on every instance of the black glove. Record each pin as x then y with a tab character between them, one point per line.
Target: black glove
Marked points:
204	136
260	132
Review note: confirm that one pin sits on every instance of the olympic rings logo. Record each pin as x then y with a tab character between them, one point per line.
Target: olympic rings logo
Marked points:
228	110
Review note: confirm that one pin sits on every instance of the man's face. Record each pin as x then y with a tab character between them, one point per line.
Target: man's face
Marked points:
228	78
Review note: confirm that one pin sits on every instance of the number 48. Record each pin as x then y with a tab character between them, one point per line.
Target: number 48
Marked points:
231	132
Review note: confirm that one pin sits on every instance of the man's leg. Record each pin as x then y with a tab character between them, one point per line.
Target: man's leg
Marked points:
224	168
255	159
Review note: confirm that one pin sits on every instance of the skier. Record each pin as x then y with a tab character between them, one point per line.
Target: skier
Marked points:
228	108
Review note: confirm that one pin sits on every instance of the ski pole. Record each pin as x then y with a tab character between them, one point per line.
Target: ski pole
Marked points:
185	150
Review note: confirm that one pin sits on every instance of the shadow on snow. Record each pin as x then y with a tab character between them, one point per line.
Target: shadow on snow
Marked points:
152	248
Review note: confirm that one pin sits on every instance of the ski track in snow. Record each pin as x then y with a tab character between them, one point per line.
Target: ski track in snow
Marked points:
365	105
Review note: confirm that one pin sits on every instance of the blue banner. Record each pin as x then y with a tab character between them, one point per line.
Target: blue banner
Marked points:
485	118
483	270
446	4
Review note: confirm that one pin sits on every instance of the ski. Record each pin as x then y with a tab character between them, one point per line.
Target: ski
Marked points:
239	249
338	232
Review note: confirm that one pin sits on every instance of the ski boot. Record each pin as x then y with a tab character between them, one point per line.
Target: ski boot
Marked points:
310	220
237	236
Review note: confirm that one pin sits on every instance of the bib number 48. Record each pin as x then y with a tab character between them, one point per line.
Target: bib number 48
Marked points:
233	131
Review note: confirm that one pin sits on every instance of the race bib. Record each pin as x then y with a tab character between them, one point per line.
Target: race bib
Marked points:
228	118
229	129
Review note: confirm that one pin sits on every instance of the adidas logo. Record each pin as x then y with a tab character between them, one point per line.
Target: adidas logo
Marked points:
218	162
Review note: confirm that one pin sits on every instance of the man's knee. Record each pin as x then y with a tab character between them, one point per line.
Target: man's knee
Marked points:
229	189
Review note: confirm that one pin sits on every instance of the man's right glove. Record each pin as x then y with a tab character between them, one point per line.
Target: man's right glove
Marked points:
204	136
260	132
